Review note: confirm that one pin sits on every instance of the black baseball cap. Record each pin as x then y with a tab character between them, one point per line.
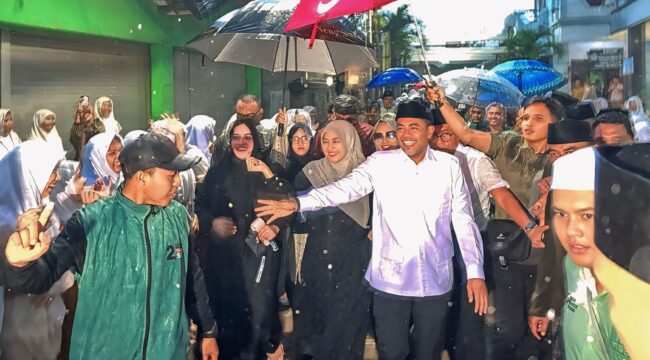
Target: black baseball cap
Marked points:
388	93
149	151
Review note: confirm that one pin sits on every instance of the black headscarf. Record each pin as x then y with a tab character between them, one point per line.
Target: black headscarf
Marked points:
296	162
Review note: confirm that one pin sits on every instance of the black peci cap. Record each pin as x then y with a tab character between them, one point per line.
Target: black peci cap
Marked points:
414	108
388	93
149	151
569	131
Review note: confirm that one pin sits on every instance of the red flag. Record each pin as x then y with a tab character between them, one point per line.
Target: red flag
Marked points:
311	12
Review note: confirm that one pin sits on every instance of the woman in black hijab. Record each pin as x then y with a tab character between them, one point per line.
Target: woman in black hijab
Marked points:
242	269
301	151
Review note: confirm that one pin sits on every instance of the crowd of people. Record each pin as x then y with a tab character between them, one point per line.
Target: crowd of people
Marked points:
401	220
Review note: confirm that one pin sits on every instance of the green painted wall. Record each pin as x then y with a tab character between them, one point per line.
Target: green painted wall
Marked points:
133	20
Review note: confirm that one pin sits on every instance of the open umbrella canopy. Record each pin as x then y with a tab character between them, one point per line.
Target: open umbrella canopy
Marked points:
310	12
531	77
479	87
254	35
394	76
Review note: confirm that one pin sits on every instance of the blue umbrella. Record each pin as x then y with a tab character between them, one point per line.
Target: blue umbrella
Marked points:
394	76
479	87
532	77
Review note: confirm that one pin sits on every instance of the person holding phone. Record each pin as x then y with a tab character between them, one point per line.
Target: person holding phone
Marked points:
86	125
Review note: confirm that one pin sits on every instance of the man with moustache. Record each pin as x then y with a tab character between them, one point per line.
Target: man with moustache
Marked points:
419	193
137	271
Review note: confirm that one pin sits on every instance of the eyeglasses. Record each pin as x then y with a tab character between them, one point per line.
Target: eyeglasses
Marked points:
302	139
248	116
241	138
443	136
380	136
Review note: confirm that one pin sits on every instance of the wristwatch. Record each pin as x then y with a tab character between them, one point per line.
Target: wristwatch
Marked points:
530	226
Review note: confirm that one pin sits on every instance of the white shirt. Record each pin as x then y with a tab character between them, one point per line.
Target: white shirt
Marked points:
413	210
482	177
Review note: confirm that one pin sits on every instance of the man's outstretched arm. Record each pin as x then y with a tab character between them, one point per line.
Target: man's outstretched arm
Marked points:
346	190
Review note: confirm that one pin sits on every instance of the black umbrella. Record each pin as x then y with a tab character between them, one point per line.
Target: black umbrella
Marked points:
254	35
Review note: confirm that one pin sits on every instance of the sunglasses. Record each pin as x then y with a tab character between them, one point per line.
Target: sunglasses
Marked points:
380	136
240	138
248	116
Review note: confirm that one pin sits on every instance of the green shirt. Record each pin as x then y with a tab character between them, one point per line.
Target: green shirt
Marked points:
518	165
587	329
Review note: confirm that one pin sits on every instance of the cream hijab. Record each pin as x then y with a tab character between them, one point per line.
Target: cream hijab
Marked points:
110	124
36	132
322	172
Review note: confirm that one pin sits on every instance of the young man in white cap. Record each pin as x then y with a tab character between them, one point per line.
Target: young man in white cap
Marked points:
587	330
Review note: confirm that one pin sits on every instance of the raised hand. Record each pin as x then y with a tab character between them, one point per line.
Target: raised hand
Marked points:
282	116
29	243
255	165
276	208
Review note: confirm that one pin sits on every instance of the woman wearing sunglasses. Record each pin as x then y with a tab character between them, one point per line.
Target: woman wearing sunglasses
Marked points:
384	134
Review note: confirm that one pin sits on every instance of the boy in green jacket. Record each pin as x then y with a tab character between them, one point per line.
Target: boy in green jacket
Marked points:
134	263
587	329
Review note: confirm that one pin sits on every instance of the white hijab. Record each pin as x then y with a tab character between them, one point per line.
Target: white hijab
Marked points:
36	132
638	119
24	173
110	124
94	164
199	132
7	141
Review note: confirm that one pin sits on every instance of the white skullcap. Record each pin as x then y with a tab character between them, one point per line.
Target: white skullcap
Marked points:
576	171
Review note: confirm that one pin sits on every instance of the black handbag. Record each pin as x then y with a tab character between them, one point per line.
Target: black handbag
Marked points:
507	242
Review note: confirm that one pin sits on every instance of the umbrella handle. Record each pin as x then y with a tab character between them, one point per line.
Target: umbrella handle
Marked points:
284	84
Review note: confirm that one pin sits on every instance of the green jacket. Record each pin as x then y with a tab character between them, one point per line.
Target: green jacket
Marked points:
587	329
132	262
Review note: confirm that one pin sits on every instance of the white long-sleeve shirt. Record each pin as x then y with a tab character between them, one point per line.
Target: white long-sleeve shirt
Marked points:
414	208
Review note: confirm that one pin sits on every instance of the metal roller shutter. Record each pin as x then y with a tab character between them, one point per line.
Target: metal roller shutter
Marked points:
52	71
205	87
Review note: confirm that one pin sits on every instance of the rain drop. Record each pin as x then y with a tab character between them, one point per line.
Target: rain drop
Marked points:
547	278
154	92
590	339
139	26
178	286
491	310
616	188
450	303
297	312
325	251
608	230
230	205
131	31
550	314
179	19
329	266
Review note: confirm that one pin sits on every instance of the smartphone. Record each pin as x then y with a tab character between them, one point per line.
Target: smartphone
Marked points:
84	101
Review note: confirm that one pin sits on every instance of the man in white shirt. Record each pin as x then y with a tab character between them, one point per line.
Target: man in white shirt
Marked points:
419	194
483	181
